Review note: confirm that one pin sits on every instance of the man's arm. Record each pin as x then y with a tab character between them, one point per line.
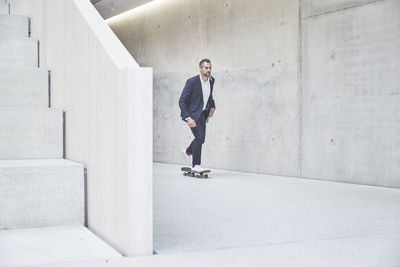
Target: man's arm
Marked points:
184	100
211	103
184	103
212	106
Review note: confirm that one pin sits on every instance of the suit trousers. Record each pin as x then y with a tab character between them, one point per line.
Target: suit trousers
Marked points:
199	133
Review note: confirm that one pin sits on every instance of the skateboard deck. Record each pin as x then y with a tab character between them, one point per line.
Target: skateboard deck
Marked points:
188	172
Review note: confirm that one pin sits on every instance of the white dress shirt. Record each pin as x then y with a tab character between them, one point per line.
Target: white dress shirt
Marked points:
205	86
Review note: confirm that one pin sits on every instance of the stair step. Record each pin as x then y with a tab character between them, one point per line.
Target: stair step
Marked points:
24	87
36	247
4	8
14	26
19	52
29	133
41	193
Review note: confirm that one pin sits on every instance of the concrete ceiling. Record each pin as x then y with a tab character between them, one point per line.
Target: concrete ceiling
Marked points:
110	8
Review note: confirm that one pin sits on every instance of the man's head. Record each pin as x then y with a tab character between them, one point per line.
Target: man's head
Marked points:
205	67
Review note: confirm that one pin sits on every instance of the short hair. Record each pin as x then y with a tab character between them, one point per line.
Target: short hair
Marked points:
204	60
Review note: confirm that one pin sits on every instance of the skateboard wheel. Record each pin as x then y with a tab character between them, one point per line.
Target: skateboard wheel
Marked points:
184	174
206	176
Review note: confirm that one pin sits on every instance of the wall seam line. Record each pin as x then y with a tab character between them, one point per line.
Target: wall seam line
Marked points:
342	9
300	88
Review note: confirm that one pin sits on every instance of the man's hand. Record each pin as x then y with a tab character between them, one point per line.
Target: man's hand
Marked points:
191	123
211	112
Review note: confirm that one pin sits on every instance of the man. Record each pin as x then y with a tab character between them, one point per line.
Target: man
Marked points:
197	106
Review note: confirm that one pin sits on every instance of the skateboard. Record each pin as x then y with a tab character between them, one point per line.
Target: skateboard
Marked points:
188	172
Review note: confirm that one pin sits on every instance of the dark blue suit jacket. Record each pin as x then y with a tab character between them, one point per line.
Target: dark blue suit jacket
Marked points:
191	100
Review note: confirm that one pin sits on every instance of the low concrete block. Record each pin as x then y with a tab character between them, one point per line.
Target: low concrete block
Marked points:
24	87
41	193
31	133
14	26
19	52
52	245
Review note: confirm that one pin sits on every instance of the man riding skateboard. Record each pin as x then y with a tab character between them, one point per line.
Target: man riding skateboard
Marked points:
197	106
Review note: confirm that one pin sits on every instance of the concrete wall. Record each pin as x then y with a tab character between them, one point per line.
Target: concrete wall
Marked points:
110	8
107	98
351	91
253	46
309	89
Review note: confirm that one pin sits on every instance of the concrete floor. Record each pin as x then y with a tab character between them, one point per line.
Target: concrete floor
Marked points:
244	219
242	210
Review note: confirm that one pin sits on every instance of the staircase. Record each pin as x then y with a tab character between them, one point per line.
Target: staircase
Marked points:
39	188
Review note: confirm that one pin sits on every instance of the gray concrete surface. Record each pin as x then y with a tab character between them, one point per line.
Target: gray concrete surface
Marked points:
108	102
351	106
253	46
41	193
24	87
13	26
246	219
305	88
370	251
36	193
19	52
35	247
31	133
236	209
